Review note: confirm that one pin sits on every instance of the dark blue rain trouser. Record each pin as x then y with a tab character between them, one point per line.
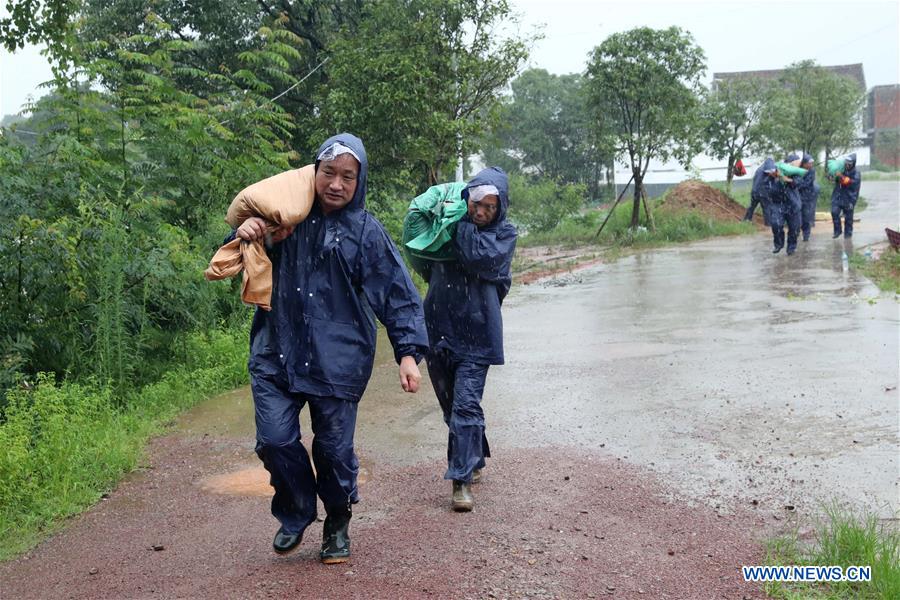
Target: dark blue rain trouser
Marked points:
459	386
748	216
285	458
836	210
809	217
781	213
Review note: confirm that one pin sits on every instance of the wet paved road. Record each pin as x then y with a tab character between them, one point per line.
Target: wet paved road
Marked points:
731	371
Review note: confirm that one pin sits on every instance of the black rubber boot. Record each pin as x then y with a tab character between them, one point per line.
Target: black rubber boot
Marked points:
336	535
285	542
462	499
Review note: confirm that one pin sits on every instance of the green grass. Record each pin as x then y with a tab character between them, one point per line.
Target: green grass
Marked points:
671	227
880	176
65	444
842	538
885	271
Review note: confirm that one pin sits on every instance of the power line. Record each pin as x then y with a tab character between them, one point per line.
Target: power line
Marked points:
271	100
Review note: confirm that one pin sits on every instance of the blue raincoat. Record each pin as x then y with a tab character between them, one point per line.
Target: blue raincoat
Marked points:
761	191
331	277
784	209
462	307
843	199
809	194
465	327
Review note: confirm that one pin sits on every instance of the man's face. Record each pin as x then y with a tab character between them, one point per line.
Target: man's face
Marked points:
336	182
807	165
483	212
772	174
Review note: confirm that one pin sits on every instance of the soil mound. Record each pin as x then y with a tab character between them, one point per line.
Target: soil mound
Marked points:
698	197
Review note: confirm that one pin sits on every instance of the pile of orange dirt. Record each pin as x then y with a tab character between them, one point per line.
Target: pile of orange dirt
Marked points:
708	201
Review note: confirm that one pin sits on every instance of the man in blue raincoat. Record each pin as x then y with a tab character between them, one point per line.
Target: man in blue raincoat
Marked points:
809	194
844	196
784	209
760	190
316	346
465	327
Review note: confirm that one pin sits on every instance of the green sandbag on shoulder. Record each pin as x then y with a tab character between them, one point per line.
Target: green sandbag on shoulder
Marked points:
790	170
835	166
431	222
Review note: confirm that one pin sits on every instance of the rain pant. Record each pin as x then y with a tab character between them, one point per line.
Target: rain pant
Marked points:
845	195
809	194
784	209
465	326
459	387
317	346
761	191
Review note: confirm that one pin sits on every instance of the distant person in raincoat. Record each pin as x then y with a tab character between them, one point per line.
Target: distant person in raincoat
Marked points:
844	197
316	346
761	190
465	327
809	194
784	209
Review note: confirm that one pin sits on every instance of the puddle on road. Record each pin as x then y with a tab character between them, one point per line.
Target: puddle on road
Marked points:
229	414
253	480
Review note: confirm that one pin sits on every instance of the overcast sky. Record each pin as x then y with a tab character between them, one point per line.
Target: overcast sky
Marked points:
735	35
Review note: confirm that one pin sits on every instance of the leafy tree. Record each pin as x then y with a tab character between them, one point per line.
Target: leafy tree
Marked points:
821	110
108	219
36	22
739	118
542	203
415	77
643	87
545	128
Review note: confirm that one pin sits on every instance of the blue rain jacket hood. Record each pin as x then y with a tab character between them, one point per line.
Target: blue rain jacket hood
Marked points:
762	183
846	197
354	143
496	177
462	307
331	277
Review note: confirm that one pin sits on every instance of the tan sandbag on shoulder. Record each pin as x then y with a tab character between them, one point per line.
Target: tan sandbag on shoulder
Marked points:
282	200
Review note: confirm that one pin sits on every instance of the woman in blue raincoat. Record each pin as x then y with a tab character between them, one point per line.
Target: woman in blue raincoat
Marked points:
465	327
784	209
809	194
844	196
316	346
760	190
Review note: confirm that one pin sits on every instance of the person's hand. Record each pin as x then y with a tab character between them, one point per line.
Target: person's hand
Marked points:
281	233
252	229
409	375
